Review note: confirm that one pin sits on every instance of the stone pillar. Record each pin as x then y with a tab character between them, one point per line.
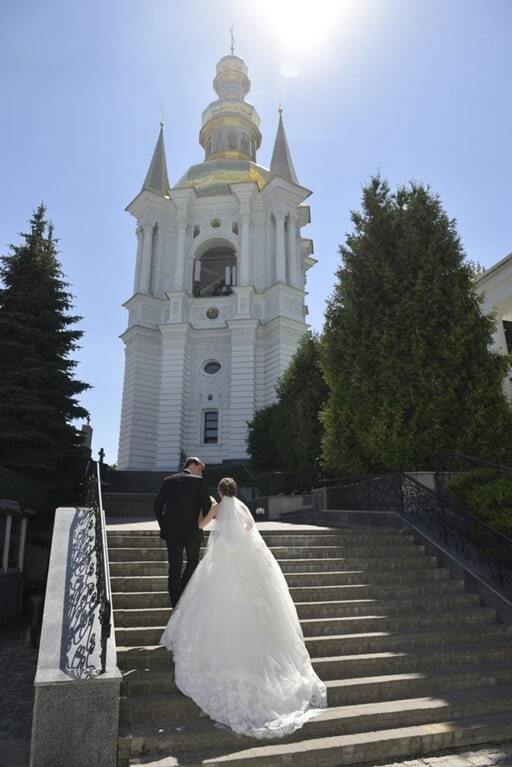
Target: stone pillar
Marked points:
292	251
139	234
179	266
279	217
172	391
147	252
244	272
139	411
242	393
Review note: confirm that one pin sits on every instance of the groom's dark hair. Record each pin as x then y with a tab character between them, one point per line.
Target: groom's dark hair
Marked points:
196	461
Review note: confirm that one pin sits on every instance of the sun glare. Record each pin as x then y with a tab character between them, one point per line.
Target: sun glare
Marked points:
301	27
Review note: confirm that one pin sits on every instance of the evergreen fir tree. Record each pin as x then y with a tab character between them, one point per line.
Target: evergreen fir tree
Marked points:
38	391
406	349
262	439
287	436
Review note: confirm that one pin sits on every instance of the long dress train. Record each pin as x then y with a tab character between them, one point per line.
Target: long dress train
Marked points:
238	646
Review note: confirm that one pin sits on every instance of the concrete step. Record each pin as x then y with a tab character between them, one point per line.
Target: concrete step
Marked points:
355	712
323	626
340	644
159	553
376	563
356	664
295	532
385	603
128	585
297	565
139	541
376	687
392	579
432	605
375	746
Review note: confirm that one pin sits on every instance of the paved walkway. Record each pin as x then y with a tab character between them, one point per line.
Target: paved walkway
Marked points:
17	671
493	756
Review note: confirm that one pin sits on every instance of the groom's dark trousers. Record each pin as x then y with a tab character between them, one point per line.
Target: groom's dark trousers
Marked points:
177	506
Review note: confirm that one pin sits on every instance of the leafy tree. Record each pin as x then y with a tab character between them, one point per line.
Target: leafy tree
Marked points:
406	348
287	435
38	391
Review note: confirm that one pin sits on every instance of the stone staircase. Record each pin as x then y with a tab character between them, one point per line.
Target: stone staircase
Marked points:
413	664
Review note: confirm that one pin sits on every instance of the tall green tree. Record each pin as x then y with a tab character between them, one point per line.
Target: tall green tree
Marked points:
287	436
406	348
38	390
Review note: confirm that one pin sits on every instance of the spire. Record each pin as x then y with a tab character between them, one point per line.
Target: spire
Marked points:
281	163
157	179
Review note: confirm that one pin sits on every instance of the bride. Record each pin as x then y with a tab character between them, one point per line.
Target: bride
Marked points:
238	646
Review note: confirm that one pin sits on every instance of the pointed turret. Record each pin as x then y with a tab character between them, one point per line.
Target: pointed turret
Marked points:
157	179
281	163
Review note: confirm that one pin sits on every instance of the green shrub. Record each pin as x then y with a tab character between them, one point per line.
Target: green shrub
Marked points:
485	493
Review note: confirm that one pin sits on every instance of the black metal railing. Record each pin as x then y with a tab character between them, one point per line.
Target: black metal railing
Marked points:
264	484
437	514
93	501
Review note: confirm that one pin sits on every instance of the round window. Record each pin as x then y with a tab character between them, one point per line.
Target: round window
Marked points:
212	367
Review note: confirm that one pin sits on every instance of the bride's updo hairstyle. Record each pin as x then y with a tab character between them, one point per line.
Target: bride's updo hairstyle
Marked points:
227	486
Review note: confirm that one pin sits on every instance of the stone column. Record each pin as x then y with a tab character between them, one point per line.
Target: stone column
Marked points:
179	266
242	393
147	252
279	216
172	391
139	234
244	275
292	251
140	406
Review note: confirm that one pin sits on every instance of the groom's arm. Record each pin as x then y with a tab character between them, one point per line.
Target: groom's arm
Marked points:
159	504
206	501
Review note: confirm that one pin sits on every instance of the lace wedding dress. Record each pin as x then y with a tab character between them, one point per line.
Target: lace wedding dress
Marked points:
237	642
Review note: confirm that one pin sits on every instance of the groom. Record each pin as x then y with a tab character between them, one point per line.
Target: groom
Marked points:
178	503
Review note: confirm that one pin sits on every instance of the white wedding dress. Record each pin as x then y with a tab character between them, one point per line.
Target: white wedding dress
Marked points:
238	646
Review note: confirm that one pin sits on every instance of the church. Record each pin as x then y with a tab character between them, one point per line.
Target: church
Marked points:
218	305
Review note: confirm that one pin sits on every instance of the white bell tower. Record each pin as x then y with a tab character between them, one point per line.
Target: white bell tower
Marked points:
218	306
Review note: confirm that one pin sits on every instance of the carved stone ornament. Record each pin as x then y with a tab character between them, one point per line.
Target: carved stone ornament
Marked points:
212	313
215	223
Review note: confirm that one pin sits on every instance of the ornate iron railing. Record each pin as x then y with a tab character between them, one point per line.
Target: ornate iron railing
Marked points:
460	531
93	501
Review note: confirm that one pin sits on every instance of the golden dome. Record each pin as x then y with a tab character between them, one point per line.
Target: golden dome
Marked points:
214	176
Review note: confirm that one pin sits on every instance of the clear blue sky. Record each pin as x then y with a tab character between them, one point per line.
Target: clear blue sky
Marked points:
415	90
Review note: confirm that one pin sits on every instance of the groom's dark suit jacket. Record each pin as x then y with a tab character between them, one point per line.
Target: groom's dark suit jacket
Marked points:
178	503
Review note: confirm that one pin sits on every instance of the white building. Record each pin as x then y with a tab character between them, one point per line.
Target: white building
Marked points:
218	305
495	285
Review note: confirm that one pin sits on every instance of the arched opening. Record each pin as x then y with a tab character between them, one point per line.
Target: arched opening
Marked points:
215	272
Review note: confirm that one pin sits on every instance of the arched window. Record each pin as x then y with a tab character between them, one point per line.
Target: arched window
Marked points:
231	140
209	146
215	272
244	144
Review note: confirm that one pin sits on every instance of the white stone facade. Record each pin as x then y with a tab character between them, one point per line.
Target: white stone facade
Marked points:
495	286
250	328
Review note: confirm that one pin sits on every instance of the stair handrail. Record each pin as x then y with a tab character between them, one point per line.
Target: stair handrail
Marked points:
458	528
93	500
469	458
